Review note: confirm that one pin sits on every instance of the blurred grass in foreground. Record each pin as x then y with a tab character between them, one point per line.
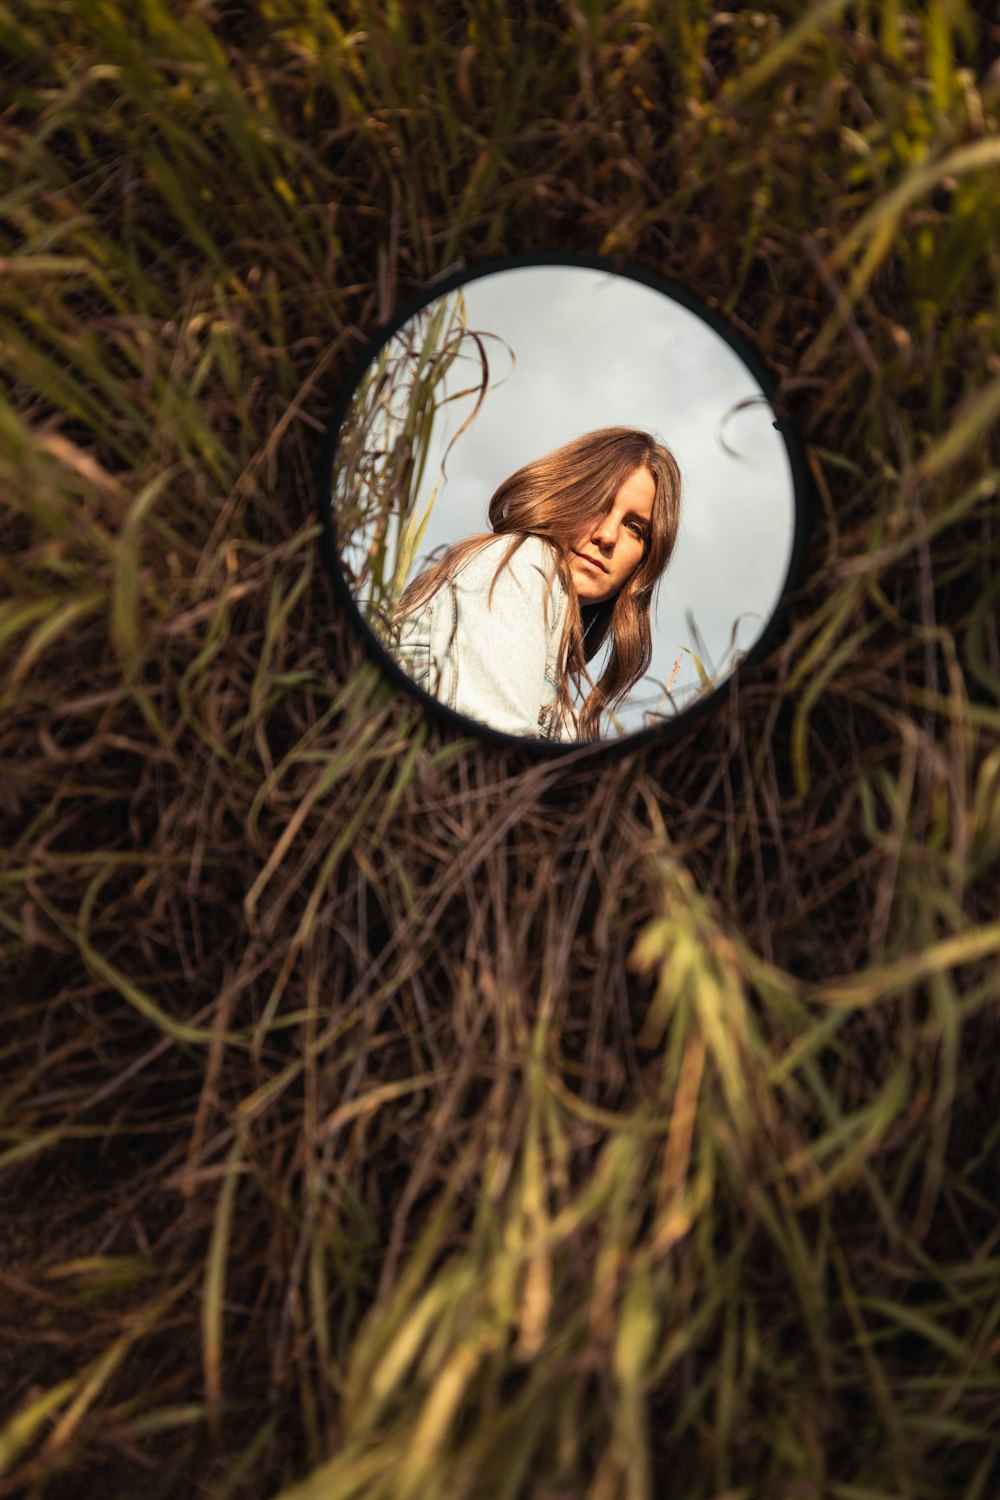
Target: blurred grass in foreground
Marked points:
382	1115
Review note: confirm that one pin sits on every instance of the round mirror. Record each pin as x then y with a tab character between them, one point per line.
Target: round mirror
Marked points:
560	502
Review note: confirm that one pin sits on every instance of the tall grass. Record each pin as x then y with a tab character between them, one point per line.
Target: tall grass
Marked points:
383	447
382	1114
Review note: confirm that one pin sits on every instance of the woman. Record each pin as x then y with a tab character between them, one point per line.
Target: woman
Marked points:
501	628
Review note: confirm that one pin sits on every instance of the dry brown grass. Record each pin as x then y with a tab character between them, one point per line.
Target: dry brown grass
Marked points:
385	1115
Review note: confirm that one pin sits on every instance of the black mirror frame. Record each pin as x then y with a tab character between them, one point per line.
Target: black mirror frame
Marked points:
802	490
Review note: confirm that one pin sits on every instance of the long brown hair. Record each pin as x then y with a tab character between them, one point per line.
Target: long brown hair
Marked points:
555	497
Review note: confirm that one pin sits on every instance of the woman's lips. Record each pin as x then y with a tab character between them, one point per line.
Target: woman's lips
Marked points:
592	561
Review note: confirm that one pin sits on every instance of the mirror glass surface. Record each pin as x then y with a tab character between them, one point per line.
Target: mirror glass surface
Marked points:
490	376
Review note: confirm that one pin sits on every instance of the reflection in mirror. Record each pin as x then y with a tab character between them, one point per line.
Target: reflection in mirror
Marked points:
561	501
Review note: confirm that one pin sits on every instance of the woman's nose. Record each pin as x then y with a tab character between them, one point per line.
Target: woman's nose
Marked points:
605	531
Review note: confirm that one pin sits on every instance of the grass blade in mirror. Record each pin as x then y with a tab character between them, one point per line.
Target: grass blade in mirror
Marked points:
383	450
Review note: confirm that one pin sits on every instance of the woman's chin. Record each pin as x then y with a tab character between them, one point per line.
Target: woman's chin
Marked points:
587	592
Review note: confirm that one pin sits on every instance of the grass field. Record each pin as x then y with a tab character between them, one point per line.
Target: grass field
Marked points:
383	1115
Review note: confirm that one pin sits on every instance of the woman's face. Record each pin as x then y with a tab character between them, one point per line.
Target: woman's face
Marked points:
606	555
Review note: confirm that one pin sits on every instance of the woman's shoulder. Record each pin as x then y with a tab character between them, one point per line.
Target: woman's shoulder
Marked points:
514	582
522	554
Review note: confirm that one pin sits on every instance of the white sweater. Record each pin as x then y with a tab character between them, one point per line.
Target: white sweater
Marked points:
497	661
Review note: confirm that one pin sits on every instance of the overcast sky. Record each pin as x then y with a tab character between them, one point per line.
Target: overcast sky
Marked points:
594	349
